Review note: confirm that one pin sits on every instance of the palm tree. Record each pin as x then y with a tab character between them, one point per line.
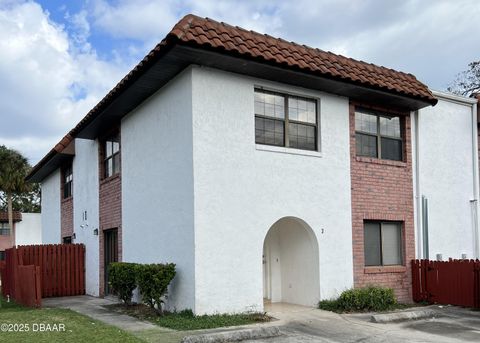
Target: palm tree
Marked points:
13	169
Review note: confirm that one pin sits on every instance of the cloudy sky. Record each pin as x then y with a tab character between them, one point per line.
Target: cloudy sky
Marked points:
58	58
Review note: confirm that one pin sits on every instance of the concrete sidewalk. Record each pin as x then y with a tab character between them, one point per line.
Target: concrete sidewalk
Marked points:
94	307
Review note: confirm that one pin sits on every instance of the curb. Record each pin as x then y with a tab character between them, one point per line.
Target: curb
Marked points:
402	316
232	336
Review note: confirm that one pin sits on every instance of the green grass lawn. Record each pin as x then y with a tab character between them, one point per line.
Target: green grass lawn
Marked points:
186	320
78	328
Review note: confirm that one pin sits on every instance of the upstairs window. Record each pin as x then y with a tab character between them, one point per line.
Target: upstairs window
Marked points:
111	153
67	182
4	229
285	120
383	243
378	136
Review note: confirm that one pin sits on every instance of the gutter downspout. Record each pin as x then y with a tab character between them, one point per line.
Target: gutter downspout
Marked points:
474	201
418	197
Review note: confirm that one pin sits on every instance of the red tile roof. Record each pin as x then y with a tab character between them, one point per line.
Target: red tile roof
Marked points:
233	39
224	38
17	216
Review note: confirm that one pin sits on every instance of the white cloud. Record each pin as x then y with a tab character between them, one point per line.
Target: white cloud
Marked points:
49	79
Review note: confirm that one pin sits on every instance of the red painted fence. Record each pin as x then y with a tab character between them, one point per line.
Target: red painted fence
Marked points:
59	270
454	282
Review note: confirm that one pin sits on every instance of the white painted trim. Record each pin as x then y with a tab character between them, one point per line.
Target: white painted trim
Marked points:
284	150
459	99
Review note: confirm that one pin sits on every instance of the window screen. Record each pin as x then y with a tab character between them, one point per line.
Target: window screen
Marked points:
383	243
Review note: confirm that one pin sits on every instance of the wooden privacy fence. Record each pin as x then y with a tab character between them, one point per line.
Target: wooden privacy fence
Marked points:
454	282
60	268
20	282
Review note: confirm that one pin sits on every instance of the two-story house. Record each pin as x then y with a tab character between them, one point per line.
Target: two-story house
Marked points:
266	170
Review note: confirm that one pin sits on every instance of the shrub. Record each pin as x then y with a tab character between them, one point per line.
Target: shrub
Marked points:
122	278
370	298
153	281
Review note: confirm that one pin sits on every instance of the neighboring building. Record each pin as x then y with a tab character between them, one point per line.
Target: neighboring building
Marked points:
26	230
446	177
266	170
29	230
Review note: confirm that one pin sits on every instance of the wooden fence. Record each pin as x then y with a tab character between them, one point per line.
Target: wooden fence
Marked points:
454	282
59	270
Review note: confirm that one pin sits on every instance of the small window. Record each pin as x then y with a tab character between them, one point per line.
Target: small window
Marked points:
67	182
2	255
285	120
4	229
383	243
111	151
378	136
67	240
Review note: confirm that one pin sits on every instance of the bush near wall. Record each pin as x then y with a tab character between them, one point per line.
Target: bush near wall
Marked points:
153	281
122	277
369	298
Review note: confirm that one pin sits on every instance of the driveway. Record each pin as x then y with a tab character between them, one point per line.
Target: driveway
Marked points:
299	324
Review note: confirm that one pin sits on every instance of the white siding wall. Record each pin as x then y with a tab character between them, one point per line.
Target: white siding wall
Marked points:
240	192
85	198
157	185
51	208
29	230
446	177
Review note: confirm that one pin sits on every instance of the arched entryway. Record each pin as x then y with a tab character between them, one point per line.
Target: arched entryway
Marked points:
291	263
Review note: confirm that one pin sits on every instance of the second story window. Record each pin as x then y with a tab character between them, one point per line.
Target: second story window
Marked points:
67	182
378	136
4	229
285	120
111	151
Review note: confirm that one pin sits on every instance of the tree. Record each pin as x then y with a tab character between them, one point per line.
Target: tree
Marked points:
28	202
467	82
13	169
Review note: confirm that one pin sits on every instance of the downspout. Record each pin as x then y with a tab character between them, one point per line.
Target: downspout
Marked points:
474	201
418	197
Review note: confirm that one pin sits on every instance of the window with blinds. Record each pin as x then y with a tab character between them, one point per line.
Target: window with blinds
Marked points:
383	243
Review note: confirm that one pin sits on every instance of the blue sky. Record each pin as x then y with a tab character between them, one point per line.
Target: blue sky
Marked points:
59	58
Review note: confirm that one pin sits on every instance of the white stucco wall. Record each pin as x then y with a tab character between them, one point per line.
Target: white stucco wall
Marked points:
157	185
51	208
29	230
86	199
240	192
446	177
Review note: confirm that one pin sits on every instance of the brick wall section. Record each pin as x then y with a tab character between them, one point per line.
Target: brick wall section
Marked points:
382	190
110	212
66	218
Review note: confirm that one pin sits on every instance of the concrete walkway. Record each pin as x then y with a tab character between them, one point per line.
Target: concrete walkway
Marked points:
94	308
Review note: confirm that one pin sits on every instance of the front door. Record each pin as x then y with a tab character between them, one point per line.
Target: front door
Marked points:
110	253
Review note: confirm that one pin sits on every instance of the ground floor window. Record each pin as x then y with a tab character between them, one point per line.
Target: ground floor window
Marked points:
67	240
4	229
2	255
383	243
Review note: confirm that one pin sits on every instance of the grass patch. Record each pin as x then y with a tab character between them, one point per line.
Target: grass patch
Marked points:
186	320
78	328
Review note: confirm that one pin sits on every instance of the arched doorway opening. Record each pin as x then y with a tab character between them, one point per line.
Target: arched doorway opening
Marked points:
291	263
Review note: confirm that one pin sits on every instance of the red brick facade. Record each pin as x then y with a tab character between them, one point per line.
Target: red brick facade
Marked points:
383	190
66	212
110	212
66	218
